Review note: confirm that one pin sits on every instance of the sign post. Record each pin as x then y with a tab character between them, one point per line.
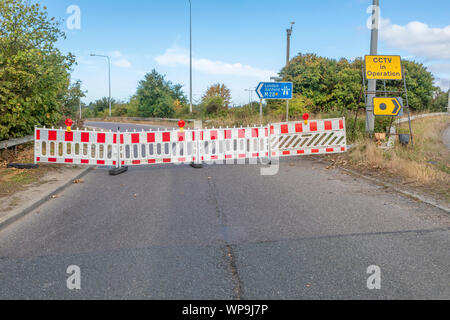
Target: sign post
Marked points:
378	67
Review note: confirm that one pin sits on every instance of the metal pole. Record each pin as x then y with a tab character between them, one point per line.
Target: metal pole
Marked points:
109	75
448	107
370	118
190	56
80	110
288	51
407	104
260	111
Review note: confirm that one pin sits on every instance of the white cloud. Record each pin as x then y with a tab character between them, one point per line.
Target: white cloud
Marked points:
122	63
419	39
177	56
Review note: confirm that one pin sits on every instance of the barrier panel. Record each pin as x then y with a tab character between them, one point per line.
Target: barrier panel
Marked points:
121	149
75	147
316	137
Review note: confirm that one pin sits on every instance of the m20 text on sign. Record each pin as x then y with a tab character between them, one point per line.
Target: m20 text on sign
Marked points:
383	68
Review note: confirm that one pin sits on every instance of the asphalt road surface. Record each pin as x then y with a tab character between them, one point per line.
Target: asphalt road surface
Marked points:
227	232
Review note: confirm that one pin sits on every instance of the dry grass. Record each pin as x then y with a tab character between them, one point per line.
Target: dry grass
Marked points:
13	180
425	166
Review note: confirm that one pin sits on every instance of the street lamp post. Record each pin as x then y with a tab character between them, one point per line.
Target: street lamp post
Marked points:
190	54
288	51
109	76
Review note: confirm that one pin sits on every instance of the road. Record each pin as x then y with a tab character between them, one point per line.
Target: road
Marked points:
226	232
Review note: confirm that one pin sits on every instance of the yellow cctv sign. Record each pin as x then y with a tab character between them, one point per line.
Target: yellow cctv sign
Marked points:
386	106
384	68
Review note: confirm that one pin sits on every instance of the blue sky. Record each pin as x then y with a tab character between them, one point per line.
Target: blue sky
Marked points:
240	42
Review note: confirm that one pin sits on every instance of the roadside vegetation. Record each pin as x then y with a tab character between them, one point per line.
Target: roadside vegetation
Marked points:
13	180
424	166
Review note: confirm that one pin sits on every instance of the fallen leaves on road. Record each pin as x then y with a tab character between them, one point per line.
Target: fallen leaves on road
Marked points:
78	181
55	196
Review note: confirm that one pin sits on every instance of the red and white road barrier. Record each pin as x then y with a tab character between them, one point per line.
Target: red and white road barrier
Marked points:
75	147
315	137
189	146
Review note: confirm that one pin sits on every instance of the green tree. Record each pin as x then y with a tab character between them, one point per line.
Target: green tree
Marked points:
34	74
101	107
156	96
71	100
218	90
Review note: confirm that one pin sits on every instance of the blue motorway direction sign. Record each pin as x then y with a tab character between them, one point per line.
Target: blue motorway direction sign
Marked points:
275	90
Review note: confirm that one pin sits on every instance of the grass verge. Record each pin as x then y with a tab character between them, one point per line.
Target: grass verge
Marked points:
424	167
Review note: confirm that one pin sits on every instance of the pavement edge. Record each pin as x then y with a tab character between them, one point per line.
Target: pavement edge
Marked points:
10	220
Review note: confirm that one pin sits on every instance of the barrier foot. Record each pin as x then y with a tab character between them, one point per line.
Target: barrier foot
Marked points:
196	165
23	165
117	171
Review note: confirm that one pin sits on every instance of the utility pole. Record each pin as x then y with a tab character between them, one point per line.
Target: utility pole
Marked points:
288	52
370	118
190	56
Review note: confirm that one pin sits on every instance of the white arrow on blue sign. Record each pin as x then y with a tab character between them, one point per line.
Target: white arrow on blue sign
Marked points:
275	90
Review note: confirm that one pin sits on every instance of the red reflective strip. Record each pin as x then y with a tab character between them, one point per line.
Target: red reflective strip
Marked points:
68	136
115	138
101	138
136	162
255	155
315	151
285	153
214	157
100	161
242	156
52	135
85	161
123	163
298	127
151	161
181	136
228	156
167	160
38	159
328	125
284	128
114	163
51	159
313	126
121	140
38	134
85	137
255	133
181	159
213	135
272	129
135	138
150	137
68	160
267	132
343	149
193	135
227	134
300	151
341	124
274	153
330	150
166	136
241	133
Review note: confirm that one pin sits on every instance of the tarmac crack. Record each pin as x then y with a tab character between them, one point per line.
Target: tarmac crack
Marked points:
229	255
